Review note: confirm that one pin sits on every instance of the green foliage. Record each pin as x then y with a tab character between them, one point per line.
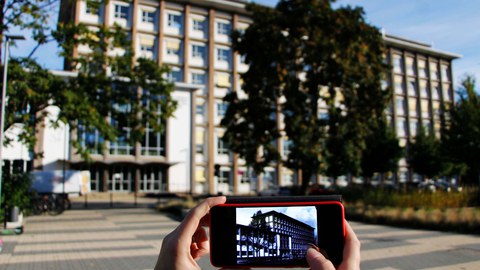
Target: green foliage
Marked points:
414	199
461	137
382	151
425	155
16	190
30	90
134	95
303	55
31	15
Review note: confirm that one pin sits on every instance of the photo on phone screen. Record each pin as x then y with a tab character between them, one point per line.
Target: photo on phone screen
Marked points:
280	234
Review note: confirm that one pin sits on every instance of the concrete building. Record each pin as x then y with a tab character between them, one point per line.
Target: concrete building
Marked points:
193	38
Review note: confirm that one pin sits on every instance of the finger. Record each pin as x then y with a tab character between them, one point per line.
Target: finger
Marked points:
317	261
201	244
351	251
190	224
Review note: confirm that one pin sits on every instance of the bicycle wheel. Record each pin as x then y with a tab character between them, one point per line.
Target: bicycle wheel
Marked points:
37	206
54	207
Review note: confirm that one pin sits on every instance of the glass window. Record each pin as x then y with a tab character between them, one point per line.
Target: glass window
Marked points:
148	17
412	88
121	12
119	119
399	85
223	28
152	179
153	142
198	25
175	75
90	139
222	147
400	105
224	177
221	109
199	78
198	51
223	55
397	63
174	21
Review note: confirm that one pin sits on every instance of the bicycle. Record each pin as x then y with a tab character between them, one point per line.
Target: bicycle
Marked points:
53	204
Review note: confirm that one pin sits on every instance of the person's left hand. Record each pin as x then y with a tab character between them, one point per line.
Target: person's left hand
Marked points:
189	241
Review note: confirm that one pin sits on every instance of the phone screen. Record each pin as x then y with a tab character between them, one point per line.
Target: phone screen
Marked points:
275	235
282	233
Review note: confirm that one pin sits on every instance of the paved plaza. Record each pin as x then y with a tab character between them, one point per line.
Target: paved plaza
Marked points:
130	238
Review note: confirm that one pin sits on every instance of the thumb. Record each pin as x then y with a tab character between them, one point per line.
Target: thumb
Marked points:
317	261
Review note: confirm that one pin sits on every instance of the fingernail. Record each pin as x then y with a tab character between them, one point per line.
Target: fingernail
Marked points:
314	247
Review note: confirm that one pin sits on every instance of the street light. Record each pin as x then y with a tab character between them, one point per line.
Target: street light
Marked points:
8	39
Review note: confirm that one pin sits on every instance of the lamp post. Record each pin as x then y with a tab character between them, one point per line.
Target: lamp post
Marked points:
8	39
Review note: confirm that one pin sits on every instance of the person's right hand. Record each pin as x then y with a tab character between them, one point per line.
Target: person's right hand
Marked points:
351	254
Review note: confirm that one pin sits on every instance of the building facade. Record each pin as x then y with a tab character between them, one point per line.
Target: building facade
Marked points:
193	38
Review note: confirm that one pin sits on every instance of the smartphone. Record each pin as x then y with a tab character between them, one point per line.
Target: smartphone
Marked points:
276	231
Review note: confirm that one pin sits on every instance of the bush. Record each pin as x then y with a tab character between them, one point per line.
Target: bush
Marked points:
16	190
452	211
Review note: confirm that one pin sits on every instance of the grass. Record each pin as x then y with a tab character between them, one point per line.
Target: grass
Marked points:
448	211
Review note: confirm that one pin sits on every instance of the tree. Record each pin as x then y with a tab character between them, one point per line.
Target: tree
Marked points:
133	96
303	55
461	137
382	152
26	14
30	90
425	155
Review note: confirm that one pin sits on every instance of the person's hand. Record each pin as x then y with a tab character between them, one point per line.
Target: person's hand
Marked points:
351	254
189	241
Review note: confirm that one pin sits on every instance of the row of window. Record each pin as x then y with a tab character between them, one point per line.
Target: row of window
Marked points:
423	89
149	18
420	68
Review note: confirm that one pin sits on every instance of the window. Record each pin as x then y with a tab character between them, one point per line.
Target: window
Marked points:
223	55
121	12
400	105
412	88
401	127
287	145
174	21
222	147
147	51
399	85
424	92
221	109
90	139
198	25
445	73
148	17
224	177
411	66
199	141
199	78
173	48
198	51
152	179
152	143
223	80
200	109
397	63
175	75
223	28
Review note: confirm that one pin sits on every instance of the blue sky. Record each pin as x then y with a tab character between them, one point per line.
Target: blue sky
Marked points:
451	26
